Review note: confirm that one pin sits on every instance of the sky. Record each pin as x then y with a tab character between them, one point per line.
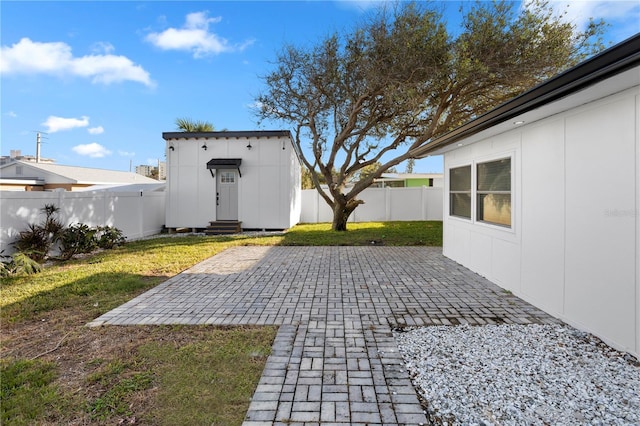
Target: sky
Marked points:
101	80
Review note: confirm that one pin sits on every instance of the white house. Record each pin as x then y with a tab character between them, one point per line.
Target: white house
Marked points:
31	176
250	177
542	195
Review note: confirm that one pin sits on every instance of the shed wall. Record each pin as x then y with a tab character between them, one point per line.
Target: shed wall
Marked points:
268	192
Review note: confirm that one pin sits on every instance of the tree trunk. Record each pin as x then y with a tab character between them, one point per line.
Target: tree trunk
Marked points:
341	213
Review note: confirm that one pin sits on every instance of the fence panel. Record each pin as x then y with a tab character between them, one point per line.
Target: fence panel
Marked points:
137	214
381	204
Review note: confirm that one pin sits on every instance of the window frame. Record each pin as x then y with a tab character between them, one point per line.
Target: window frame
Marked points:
224	177
479	192
475	193
463	192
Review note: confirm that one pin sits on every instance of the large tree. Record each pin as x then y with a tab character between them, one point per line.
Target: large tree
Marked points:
399	79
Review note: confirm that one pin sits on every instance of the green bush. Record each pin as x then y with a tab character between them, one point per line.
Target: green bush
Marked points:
18	264
109	237
36	241
77	239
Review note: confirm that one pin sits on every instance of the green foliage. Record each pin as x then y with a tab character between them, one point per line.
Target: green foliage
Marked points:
36	241
189	125
371	97
20	264
109	237
76	239
27	391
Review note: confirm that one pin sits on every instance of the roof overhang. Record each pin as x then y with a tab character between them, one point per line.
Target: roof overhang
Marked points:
618	59
227	134
224	163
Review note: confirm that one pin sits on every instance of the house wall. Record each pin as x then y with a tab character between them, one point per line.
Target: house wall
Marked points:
268	191
572	249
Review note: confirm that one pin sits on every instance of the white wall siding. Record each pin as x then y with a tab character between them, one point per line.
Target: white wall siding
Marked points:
600	249
573	248
266	192
381	204
136	214
543	214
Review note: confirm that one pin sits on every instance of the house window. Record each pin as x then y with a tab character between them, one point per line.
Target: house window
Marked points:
460	192
19	170
227	177
493	192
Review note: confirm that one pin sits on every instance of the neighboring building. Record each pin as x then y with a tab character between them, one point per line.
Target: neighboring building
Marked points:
42	177
542	195
409	180
16	155
251	177
150	171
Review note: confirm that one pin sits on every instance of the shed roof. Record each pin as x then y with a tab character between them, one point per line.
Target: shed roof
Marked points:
618	59
227	134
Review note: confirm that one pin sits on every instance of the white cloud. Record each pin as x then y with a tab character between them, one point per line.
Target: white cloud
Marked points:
93	150
195	37
56	124
579	12
11	114
56	58
102	47
95	130
126	154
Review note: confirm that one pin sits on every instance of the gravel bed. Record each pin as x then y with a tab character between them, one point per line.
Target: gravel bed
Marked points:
520	375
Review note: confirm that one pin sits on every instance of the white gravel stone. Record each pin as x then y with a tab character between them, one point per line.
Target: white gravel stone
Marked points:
520	375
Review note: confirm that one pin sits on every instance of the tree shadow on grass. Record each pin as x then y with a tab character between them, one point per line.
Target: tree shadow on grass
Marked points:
94	294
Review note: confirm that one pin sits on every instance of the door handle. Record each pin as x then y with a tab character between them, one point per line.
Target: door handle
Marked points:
217	198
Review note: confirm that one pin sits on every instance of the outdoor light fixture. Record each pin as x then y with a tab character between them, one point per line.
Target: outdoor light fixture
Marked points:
518	122
171	147
249	146
204	146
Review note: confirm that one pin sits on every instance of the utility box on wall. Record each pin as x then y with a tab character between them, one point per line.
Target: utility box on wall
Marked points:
252	177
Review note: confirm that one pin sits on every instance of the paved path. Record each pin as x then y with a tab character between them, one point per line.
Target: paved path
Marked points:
334	359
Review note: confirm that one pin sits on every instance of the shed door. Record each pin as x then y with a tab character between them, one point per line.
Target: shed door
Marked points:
227	194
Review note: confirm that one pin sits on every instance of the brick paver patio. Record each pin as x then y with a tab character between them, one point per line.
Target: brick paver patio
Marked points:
334	360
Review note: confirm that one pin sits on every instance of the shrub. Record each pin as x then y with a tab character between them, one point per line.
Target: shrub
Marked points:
109	237
77	239
18	264
37	240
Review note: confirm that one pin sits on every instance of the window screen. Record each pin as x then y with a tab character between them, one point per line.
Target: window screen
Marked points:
493	192
460	192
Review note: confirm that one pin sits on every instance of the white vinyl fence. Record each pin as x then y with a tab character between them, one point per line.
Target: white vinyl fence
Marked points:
380	205
137	214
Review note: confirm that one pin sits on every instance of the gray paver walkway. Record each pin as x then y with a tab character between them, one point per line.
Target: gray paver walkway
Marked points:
334	359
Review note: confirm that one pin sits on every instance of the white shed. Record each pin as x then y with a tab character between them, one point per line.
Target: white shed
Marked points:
247	177
542	195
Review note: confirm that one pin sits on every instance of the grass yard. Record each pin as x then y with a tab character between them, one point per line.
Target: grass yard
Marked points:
54	370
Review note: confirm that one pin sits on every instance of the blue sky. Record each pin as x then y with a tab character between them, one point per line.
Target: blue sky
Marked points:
105	79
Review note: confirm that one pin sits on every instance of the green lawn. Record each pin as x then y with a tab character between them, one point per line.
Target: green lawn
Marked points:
155	375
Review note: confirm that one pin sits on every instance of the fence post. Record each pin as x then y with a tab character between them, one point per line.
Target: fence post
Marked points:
387	203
